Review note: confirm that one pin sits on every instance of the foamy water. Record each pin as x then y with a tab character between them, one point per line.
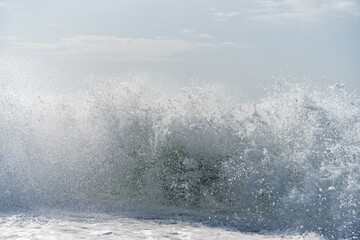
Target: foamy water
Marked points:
110	227
288	163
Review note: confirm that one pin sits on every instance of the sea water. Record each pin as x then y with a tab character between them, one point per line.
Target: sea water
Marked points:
100	226
134	160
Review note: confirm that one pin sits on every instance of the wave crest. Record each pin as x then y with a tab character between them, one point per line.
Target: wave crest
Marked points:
288	161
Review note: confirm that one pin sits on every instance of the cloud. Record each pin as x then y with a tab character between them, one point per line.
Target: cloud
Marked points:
305	10
7	5
2	4
193	34
236	45
10	38
223	16
186	30
112	48
203	35
226	15
109	47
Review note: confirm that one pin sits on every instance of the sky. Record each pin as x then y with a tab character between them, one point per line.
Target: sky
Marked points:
243	43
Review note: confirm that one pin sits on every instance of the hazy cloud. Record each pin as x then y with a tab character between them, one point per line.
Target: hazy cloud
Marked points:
10	38
186	30
309	10
223	16
194	34
113	48
203	35
3	5
226	15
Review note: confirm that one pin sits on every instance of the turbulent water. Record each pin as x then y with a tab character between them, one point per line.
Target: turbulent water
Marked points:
289	162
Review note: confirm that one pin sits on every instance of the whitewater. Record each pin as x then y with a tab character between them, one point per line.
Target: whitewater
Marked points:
136	160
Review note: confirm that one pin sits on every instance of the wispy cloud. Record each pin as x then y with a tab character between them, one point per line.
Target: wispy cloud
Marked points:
113	48
186	30
223	16
194	34
2	4
226	15
6	5
203	35
109	47
54	25
10	38
305	10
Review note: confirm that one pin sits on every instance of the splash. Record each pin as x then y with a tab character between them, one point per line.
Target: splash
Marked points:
288	162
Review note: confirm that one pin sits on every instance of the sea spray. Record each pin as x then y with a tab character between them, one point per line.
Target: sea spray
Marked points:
287	162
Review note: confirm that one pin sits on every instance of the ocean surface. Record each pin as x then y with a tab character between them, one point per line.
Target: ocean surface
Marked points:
134	160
